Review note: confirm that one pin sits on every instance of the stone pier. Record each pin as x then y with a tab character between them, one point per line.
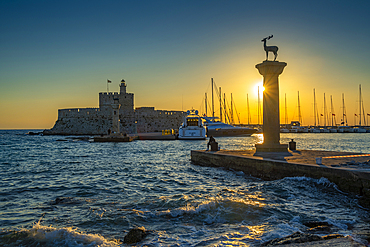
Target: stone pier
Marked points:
354	178
270	70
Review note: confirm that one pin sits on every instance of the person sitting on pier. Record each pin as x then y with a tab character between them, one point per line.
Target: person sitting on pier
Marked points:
211	140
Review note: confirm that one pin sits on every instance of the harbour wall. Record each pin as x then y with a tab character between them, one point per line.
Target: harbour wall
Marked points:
95	121
352	181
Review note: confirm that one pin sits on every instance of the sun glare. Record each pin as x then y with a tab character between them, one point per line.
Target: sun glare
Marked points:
259	87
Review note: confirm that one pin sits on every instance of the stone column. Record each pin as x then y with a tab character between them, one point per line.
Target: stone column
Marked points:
270	70
115	116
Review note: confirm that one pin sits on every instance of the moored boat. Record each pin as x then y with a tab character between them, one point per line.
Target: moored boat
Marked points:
217	128
192	128
302	129
345	129
314	130
324	130
359	130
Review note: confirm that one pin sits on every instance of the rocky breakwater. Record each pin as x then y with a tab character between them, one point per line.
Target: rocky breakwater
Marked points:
318	234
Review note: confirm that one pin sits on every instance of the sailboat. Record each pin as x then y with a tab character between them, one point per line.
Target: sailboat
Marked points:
332	114
325	130
314	129
298	128
216	127
360	129
344	128
285	129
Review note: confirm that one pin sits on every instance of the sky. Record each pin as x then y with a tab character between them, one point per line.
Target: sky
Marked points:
60	54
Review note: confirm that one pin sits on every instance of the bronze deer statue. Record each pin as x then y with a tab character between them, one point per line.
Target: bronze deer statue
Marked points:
272	49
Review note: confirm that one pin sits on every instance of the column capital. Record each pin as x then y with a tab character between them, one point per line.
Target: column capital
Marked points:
271	67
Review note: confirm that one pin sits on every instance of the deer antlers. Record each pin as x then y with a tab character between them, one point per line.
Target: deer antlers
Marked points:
269	37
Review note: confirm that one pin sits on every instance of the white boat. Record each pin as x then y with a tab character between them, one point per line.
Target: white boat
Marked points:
345	129
359	130
302	129
284	130
314	130
217	128
192	128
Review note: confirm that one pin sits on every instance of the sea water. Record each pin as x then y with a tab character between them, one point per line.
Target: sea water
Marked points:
59	191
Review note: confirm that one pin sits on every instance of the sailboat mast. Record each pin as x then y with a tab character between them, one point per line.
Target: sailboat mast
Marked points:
359	96
231	110
258	105
324	110
314	105
332	111
225	109
205	103
363	110
344	111
248	113
286	112
299	110
220	105
213	106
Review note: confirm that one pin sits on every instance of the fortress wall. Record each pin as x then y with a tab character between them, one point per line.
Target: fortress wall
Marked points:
95	121
128	125
150	120
127	101
78	112
91	121
106	99
82	126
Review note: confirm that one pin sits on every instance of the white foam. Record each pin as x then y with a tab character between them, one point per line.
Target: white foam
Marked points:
321	181
67	236
188	209
282	230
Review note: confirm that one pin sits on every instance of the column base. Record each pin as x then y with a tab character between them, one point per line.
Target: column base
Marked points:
271	147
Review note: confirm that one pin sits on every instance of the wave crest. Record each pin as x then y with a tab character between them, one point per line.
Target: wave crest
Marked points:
52	236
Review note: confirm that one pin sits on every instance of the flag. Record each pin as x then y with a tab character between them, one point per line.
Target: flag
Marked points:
108	81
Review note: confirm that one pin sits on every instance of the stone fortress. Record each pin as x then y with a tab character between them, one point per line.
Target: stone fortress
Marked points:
97	121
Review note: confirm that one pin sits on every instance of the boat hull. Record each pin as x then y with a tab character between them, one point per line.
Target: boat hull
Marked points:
190	138
230	132
114	139
192	133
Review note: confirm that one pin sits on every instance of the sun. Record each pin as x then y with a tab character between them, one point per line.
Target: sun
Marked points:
259	87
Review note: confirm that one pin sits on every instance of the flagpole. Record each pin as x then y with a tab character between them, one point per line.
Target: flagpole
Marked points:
108	81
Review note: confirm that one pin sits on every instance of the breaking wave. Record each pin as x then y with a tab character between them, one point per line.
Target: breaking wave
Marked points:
52	236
